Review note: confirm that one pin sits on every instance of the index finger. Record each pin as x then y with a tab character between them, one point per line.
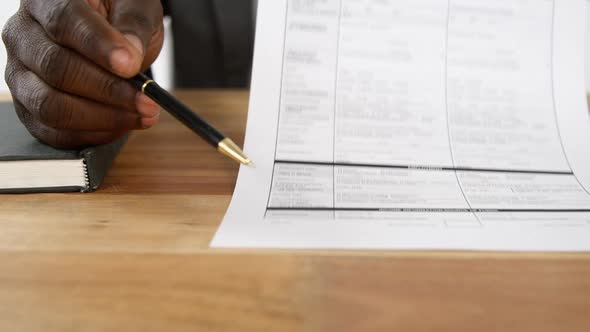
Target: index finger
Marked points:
76	25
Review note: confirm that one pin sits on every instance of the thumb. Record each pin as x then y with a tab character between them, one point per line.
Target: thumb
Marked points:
140	22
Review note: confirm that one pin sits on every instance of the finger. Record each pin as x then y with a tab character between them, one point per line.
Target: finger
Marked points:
142	23
67	71
58	110
76	25
60	138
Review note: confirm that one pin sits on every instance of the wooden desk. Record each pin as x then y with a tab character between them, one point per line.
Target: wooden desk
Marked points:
134	257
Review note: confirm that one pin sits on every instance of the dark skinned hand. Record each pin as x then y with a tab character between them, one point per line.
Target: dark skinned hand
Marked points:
67	64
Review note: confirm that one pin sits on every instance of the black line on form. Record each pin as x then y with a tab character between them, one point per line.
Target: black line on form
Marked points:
431	210
419	167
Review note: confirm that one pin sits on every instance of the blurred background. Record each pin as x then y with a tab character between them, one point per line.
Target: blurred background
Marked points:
163	66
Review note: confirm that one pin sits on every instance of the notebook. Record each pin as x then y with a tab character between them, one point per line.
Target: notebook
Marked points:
29	166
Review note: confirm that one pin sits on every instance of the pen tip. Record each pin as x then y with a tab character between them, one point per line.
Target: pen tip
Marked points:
250	164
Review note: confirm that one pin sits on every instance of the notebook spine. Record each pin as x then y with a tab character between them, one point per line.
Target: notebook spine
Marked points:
86	177
98	160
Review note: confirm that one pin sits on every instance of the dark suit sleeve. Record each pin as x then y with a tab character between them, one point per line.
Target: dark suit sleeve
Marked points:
213	42
166	8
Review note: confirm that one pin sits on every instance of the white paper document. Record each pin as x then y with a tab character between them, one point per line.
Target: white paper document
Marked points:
416	124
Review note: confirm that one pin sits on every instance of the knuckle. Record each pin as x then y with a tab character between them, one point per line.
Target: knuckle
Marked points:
138	19
142	21
42	104
23	114
10	75
56	19
51	61
57	139
9	32
41	131
36	129
42	134
85	37
110	88
33	125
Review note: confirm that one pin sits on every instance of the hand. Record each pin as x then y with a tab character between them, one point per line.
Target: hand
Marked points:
67	60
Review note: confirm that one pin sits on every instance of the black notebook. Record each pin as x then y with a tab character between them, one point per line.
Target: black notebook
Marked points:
29	166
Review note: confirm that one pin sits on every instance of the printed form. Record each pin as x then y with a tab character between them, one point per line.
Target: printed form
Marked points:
416	124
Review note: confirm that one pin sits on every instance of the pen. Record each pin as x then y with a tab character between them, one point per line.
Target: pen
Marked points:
191	120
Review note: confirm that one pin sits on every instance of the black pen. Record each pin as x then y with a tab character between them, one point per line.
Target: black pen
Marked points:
194	122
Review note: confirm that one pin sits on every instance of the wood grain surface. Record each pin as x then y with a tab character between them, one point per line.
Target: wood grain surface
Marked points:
134	257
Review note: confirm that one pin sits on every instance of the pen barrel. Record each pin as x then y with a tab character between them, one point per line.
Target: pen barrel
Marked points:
178	110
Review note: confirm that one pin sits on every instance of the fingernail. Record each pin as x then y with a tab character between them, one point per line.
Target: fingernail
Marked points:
120	59
136	42
150	122
145	106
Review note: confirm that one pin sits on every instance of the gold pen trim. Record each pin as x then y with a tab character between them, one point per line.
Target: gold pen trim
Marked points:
230	149
145	85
